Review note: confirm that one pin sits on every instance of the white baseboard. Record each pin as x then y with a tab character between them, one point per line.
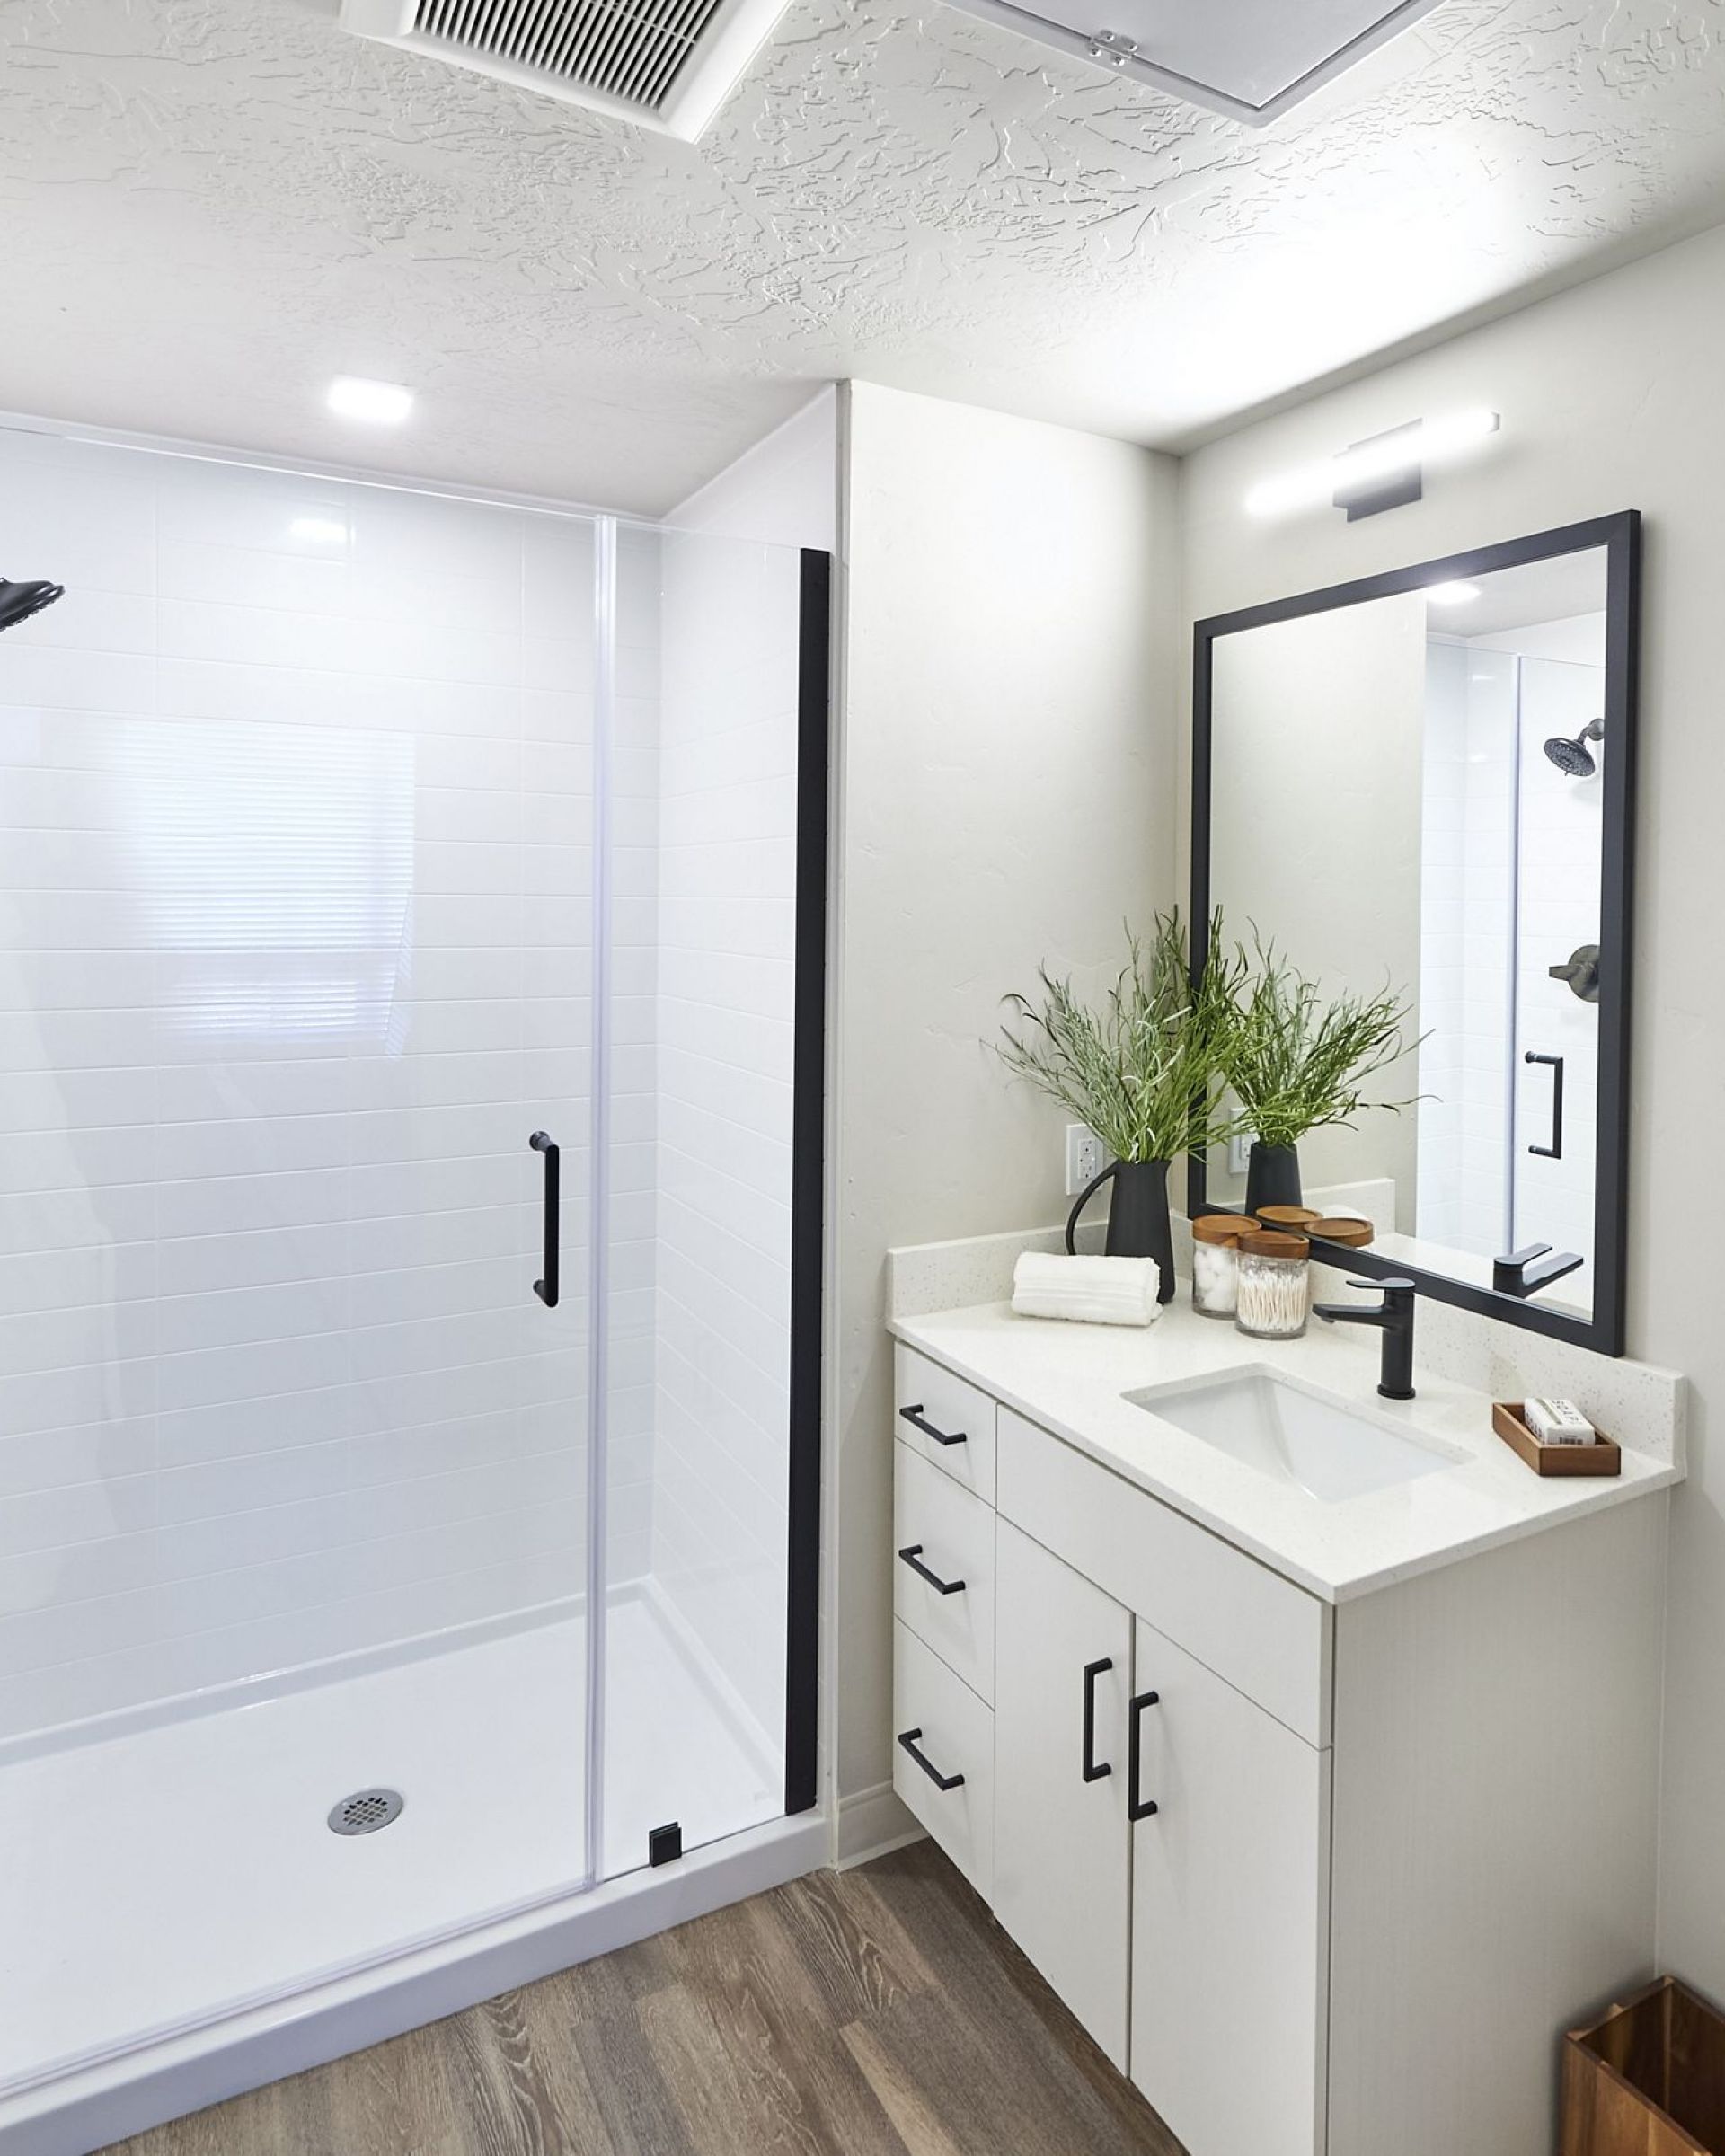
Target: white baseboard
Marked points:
871	1823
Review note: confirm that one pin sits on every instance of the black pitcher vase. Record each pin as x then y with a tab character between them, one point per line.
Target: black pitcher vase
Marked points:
1137	1217
1272	1176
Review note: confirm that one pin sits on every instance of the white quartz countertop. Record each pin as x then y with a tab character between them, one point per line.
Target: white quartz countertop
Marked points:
1072	1380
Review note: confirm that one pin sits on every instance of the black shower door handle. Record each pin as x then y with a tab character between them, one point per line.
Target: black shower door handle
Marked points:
1554	1150
546	1289
1094	1770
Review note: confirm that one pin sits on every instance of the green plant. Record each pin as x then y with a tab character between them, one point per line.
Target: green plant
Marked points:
1144	1070
1297	1062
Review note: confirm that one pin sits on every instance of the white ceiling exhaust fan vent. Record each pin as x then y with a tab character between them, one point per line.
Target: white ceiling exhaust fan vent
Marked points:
1249	60
666	65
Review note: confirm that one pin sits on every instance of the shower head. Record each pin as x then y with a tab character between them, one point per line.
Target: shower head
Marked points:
18	602
1575	758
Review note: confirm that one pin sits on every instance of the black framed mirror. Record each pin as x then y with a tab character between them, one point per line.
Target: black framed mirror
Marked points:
1424	781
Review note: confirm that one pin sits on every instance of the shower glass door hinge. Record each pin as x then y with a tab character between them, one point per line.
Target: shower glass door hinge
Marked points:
1114	50
665	1843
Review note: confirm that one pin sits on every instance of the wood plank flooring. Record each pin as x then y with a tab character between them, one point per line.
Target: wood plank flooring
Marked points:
879	2013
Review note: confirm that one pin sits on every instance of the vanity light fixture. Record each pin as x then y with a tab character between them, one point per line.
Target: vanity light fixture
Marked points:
381	403
1376	474
1451	595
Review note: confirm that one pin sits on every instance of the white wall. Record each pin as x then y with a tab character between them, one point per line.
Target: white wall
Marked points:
783	491
1610	400
1006	782
1316	759
293	954
727	908
1466	878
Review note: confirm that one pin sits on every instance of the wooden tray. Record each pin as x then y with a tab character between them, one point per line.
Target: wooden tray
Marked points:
1603	1457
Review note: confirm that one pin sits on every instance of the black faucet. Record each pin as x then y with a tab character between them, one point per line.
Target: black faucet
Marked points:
1395	1317
1525	1272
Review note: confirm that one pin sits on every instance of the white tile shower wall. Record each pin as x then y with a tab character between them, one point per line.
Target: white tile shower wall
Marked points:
294	949
631	1404
1558	909
728	772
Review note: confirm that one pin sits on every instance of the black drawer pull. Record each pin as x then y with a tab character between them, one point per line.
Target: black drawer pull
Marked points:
1094	1772
546	1289
908	1740
918	1420
913	1557
1136	1807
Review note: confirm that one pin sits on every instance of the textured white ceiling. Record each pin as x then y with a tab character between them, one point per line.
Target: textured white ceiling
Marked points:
210	207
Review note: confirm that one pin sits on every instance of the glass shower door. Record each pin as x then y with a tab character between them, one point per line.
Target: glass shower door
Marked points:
295	948
707	1004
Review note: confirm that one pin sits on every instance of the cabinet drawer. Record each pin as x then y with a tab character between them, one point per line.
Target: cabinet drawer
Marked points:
938	1525
954	1733
1265	1636
928	1399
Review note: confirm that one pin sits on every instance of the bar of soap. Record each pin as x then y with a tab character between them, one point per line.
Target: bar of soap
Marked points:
1558	1422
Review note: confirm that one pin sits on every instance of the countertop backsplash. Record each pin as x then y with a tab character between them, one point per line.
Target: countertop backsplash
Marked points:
1637	1403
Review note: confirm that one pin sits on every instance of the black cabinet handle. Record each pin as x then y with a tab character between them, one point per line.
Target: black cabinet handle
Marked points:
913	1557
907	1741
546	1289
1554	1150
1136	1807
1093	1771
918	1420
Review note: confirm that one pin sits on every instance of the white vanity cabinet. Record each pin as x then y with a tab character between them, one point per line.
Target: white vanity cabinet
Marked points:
1064	1653
1291	1863
1229	1913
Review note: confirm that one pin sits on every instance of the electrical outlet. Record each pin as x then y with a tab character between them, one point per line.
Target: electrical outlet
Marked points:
1086	1157
1240	1153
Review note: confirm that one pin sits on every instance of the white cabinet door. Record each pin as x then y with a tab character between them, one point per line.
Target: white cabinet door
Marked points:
1062	1679
1229	1905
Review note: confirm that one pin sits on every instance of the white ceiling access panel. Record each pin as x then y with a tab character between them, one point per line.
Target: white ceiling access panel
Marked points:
666	65
1249	60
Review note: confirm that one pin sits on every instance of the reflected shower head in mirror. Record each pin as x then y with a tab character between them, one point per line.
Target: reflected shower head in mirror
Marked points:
1575	758
18	602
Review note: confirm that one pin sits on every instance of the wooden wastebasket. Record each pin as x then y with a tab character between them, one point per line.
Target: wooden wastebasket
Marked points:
1649	2080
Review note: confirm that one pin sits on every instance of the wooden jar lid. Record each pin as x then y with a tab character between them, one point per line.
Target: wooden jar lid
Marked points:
1269	1242
1294	1219
1346	1227
1223	1227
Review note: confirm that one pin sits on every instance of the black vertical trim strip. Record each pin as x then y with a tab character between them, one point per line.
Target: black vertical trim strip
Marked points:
1621	755
807	1177
1619	536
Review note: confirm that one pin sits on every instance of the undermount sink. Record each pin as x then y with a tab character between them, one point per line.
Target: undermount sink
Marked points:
1300	1437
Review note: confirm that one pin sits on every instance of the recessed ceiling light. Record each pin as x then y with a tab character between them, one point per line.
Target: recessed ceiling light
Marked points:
1451	595
384	403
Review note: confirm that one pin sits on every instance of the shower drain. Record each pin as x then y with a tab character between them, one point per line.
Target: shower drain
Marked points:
366	1811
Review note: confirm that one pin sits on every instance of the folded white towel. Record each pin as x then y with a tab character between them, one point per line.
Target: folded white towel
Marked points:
1090	1291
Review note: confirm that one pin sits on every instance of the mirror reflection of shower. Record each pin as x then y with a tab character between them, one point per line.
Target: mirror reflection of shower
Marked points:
1573	757
19	601
1512	848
